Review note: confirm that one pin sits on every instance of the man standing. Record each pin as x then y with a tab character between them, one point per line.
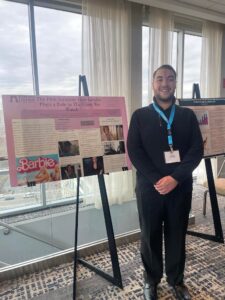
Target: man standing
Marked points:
165	146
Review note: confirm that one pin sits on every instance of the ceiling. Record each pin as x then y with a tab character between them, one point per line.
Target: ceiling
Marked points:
214	5
213	10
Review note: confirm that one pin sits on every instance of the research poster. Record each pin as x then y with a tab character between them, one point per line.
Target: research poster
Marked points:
210	113
52	138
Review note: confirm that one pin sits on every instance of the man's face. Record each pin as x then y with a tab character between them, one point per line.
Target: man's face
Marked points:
164	85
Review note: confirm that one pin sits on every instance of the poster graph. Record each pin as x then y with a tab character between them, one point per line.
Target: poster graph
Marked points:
203	118
210	114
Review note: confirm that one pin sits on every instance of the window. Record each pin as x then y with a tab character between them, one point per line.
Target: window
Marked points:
192	63
145	52
145	58
58	48
186	59
58	36
15	78
15	58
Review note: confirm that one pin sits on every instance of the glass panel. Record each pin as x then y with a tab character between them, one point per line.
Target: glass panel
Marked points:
15	78
64	190
174	51
192	63
49	230
15	58
145	61
58	36
145	55
15	199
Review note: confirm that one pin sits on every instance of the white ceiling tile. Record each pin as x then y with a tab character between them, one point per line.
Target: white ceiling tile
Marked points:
196	8
199	3
218	1
218	7
214	5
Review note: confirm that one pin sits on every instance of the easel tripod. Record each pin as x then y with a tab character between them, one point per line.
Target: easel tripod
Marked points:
116	279
218	237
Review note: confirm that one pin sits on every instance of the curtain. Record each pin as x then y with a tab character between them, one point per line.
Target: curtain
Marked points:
212	34
161	27
106	62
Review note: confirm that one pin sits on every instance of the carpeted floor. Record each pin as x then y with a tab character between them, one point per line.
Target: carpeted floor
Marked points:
205	270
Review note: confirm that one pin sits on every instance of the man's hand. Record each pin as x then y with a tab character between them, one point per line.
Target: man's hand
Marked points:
165	185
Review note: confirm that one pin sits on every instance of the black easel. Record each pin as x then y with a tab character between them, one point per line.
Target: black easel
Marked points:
116	279
218	237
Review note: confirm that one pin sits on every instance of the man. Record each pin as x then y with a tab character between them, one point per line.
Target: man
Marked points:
165	146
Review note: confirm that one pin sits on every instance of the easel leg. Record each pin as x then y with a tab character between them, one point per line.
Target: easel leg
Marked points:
75	240
116	278
110	233
218	237
214	202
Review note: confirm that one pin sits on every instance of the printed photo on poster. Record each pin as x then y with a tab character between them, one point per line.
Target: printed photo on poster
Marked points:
108	133
119	131
68	148
111	132
71	171
115	147
37	169
93	165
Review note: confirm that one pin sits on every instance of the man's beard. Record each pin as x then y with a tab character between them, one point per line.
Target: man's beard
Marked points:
165	100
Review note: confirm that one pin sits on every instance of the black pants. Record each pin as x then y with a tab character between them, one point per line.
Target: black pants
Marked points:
169	214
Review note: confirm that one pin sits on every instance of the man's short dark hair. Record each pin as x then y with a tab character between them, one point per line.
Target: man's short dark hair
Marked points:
167	67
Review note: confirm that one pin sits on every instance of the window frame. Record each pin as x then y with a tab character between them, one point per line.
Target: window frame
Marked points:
67	6
180	57
182	26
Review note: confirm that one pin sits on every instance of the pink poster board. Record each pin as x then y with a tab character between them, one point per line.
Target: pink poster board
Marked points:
52	138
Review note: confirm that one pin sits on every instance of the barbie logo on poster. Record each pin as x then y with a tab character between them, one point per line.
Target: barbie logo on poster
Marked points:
35	169
29	165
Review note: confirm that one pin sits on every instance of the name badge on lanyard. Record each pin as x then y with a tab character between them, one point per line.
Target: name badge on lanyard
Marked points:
171	156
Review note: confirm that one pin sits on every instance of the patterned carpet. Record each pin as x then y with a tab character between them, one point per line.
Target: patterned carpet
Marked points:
205	270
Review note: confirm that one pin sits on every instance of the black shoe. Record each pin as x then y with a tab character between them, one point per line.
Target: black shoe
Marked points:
150	291
181	292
